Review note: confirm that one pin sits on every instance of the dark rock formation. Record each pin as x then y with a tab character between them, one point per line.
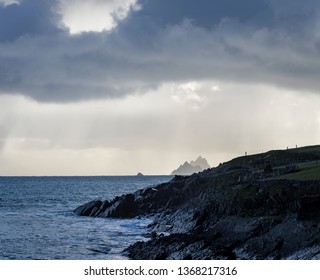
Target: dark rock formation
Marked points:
310	207
123	207
146	201
234	211
89	209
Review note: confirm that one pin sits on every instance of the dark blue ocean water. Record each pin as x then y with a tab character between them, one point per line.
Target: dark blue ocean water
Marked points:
37	219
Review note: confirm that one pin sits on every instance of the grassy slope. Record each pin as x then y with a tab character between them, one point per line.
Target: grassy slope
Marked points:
305	174
305	158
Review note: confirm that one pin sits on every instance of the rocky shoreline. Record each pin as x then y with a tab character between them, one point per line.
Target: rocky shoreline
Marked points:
239	210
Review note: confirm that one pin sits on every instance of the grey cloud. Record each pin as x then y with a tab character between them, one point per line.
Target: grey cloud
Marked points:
252	41
204	13
264	41
30	17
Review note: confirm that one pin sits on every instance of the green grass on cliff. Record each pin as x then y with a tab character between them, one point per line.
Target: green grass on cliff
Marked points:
312	173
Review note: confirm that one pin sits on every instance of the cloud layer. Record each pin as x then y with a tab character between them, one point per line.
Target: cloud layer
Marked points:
251	41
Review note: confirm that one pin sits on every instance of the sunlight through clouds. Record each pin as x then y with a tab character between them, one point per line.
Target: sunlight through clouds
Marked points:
78	15
188	94
154	83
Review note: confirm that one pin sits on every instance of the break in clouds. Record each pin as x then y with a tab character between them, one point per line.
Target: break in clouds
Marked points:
152	42
127	86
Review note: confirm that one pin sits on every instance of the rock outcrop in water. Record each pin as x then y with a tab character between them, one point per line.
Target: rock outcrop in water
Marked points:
253	207
143	202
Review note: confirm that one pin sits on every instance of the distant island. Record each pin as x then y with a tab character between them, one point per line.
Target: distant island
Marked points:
200	164
140	174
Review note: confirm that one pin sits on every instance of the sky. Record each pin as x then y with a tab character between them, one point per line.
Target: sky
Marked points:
117	87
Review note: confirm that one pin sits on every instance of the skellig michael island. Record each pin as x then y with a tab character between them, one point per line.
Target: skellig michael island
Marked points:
200	164
262	206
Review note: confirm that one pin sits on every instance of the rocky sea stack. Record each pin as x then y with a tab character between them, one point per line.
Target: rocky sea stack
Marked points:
264	206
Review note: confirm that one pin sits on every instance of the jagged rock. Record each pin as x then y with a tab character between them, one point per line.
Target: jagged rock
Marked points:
103	207
87	209
147	201
125	207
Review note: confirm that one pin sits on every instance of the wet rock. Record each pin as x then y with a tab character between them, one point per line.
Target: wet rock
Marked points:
125	207
310	207
88	208
143	202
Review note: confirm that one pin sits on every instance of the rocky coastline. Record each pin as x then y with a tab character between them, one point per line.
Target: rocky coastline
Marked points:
243	209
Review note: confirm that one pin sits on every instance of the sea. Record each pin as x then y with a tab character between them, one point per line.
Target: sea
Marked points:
37	220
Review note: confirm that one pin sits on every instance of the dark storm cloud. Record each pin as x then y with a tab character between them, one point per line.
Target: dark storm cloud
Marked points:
251	41
204	13
292	16
30	17
259	41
